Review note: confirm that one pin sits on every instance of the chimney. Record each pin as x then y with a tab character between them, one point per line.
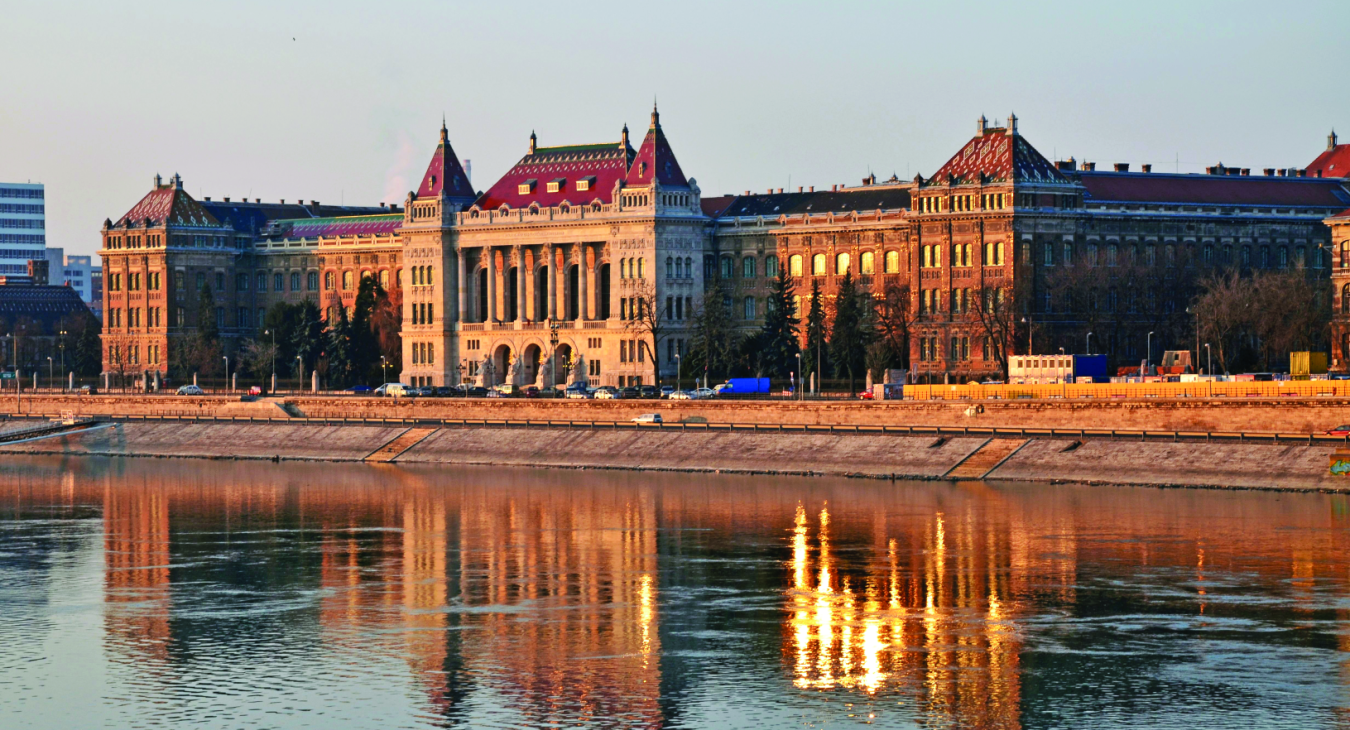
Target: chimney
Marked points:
747	193
1064	165
207	198
226	198
780	191
1269	171
1331	140
1283	172
382	205
770	191
799	189
314	203
1089	166
1122	167
1214	170
1146	168
813	189
283	201
1246	171
834	188
257	200
980	124
1303	172
1319	173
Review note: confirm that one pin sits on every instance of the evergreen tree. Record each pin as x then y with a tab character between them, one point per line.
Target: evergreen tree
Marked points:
777	344
714	344
207	331
364	354
852	329
309	340
815	360
339	350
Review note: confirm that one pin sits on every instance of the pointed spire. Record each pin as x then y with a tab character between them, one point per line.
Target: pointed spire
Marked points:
445	133
623	139
1012	124
1331	139
534	141
981	124
656	115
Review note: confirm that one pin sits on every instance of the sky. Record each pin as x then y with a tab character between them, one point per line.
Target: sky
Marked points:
342	102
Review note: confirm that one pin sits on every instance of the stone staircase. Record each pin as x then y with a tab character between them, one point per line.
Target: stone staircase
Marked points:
399	444
985	459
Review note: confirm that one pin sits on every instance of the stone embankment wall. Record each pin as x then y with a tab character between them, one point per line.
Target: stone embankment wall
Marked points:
1289	415
1229	465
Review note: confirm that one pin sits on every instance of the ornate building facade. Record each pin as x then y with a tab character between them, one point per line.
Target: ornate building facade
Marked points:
591	259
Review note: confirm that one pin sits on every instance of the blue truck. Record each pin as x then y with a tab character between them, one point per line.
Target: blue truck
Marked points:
1090	366
744	386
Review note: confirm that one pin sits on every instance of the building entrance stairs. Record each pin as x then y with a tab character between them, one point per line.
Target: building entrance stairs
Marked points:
400	444
986	458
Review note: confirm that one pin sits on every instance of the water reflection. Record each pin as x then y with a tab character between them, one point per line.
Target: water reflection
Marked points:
293	595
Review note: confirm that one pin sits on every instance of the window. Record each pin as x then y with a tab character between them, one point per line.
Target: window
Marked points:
868	262
927	257
220	281
384	279
556	185
262	281
431	353
347	281
180	281
242	317
220	317
154	281
748	267
892	262
241	282
295	281
818	265
1284	257
689	267
526	187
795	264
1300	257
585	183
328	281
726	267
278	281
771	266
641	271
670	268
1049	254
749	306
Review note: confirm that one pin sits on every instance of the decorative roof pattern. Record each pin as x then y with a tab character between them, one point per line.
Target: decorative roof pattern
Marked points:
1333	162
362	225
844	201
169	204
47	305
655	160
996	156
1152	187
606	163
250	217
444	174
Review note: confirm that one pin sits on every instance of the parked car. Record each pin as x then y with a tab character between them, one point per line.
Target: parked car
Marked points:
866	395
605	393
255	390
475	391
648	418
705	393
391	390
628	393
506	389
445	391
683	395
550	392
667	390
1339	431
87	390
530	391
190	390
577	394
359	390
648	391
495	394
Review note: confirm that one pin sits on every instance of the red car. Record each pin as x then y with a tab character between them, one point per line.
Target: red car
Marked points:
1339	431
255	390
867	395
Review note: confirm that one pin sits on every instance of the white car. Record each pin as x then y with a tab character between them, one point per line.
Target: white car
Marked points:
576	394
648	418
705	393
667	391
604	394
392	390
190	390
683	395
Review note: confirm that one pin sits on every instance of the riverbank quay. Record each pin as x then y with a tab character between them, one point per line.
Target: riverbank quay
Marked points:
1244	461
1280	414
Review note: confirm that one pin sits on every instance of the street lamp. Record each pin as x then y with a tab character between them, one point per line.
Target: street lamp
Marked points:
62	347
227	373
553	356
1089	343
677	370
49	371
300	373
273	333
800	394
1209	367
1027	321
1149	355
384	369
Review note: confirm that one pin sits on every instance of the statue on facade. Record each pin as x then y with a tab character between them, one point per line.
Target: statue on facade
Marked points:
578	372
486	377
516	371
544	379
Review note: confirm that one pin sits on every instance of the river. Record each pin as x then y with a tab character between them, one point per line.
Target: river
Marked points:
191	593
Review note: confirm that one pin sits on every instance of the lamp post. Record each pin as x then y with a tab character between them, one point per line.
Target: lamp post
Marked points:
1030	350
1209	356
62	347
273	333
49	371
677	371
384	369
226	358
1089	343
800	394
1148	357
553	353
300	373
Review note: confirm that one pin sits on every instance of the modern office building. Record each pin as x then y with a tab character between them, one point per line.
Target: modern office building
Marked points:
23	227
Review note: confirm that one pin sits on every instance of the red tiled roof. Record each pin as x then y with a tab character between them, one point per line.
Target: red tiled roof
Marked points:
1333	162
1343	214
445	173
169	203
714	207
656	160
1140	187
997	156
601	165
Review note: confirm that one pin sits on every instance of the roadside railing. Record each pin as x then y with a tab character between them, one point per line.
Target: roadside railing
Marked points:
1080	434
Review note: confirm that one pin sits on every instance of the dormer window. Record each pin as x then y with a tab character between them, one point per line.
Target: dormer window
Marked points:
556	184
526	187
642	169
585	183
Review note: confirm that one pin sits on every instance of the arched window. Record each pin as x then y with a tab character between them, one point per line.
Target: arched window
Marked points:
1300	257
1111	252
771	266
384	278
727	267
1345	254
1284	257
818	265
892	262
749	308
365	274
328	281
670	268
1345	299
262	281
966	260
312	282
748	267
689	267
795	264
841	262
867	262
642	268
927	257
998	253
347	281
428	276
416	354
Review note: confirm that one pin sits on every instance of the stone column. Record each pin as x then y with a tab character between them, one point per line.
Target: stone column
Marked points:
461	302
552	282
583	288
527	287
491	283
521	277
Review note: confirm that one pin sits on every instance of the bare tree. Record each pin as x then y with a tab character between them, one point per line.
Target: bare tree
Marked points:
895	321
648	322
996	312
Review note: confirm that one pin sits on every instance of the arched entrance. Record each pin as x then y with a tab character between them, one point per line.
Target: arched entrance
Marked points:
529	366
562	363
501	364
573	300
512	294
482	296
541	294
603	298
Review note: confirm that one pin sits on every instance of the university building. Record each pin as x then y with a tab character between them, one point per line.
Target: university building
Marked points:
545	273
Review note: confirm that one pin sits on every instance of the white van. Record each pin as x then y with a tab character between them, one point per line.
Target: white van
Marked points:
393	390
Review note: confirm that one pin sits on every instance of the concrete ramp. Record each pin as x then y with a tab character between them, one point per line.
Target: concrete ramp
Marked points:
986	459
400	444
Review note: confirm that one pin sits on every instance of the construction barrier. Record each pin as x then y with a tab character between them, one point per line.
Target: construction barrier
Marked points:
1251	389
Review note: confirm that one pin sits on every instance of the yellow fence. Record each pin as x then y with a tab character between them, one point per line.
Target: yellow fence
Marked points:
1281	389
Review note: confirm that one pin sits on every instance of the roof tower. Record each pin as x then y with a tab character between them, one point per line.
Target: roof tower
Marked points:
444	175
655	160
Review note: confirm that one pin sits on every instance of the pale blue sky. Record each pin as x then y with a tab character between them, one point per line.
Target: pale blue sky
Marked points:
98	96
